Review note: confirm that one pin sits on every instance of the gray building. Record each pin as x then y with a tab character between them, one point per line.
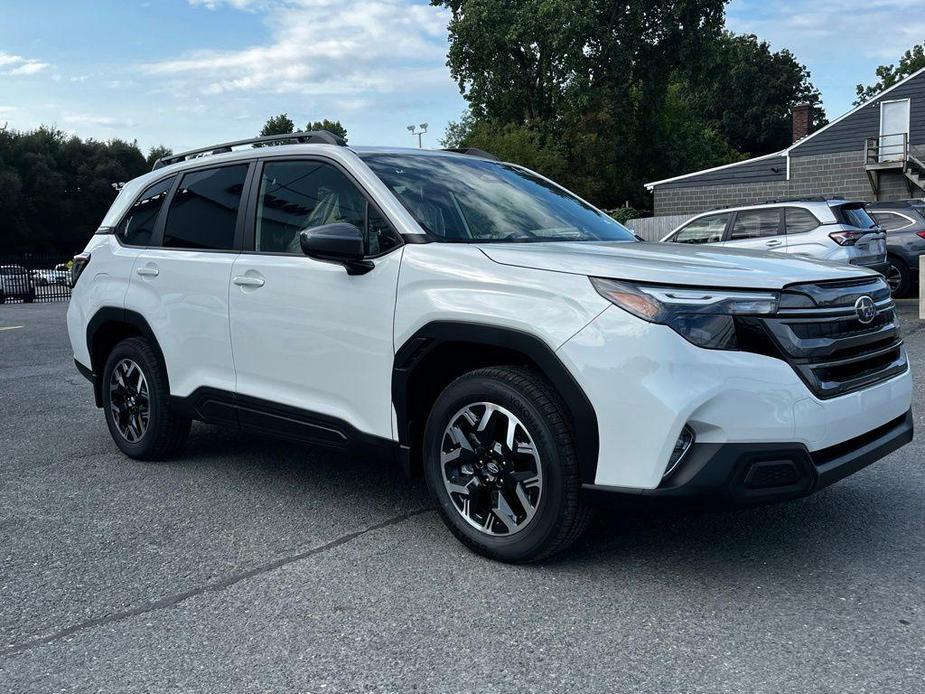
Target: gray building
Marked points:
875	152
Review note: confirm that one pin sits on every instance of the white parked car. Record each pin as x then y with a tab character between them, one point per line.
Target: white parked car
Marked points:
60	275
480	324
835	230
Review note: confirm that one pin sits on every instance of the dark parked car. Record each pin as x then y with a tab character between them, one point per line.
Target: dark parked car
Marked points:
904	223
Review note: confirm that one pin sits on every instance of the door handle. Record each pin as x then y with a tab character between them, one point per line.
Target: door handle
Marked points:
148	271
248	281
773	243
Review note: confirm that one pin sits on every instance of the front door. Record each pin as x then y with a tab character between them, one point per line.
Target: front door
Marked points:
305	334
894	129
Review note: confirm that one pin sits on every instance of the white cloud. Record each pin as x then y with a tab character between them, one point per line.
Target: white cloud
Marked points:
322	47
107	122
17	65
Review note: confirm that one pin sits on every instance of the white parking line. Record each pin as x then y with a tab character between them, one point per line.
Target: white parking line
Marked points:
10	327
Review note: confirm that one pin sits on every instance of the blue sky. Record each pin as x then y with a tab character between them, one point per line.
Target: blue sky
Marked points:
188	72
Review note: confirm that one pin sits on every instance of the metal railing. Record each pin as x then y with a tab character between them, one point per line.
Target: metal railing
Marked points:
34	277
887	149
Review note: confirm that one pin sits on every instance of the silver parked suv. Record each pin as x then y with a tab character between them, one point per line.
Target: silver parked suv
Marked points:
836	230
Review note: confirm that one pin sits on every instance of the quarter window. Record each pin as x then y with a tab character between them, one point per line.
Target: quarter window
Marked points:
755	224
891	221
704	230
204	210
137	226
800	220
296	196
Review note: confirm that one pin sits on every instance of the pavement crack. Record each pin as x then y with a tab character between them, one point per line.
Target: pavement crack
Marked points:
211	587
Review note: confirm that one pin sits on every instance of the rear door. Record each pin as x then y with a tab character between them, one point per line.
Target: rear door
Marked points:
760	230
180	282
805	233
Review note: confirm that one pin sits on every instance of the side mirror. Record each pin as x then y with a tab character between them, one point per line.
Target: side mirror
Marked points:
340	243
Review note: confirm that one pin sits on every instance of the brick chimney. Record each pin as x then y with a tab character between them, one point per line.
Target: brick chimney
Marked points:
802	121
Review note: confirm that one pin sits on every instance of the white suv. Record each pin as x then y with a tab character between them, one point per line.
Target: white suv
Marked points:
481	325
835	230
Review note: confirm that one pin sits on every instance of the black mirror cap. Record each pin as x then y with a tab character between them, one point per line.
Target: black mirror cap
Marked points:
340	242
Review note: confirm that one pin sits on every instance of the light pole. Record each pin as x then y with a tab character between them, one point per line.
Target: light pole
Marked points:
419	133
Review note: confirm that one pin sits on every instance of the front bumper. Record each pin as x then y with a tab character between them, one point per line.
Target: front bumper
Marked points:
749	474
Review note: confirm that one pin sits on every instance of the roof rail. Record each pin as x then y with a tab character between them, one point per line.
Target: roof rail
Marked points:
312	137
472	152
805	198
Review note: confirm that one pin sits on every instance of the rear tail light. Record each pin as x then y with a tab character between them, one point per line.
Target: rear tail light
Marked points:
847	238
920	234
81	260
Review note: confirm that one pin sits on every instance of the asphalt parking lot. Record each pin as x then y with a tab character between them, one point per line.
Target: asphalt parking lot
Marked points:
253	565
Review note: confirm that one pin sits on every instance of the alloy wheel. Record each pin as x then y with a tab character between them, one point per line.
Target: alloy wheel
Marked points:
894	277
491	469
129	400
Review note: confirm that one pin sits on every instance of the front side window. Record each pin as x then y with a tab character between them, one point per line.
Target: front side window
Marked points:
137	226
204	210
800	220
891	221
755	224
469	200
296	196
704	230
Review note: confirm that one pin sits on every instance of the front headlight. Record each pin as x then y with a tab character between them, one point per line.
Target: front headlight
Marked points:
704	317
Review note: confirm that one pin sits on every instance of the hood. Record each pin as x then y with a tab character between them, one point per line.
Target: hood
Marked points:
671	263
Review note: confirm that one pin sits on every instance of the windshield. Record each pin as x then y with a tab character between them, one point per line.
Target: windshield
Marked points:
469	200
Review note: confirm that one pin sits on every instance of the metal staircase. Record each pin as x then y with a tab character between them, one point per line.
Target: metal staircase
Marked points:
915	175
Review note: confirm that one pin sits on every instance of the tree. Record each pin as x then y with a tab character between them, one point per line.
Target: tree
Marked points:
332	126
158	152
746	93
277	125
911	62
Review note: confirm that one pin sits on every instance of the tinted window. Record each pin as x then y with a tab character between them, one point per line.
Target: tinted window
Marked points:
204	210
857	217
706	230
466	199
891	221
137	226
299	195
755	224
800	220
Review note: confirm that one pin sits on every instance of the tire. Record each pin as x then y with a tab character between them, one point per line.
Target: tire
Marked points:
29	298
549	479
161	431
899	277
2	298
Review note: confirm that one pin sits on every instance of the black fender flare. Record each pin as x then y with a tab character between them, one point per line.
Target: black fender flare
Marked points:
111	314
434	334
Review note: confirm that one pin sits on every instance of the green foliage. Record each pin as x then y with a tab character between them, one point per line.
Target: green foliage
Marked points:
332	126
625	214
911	62
616	93
55	189
746	93
277	125
158	152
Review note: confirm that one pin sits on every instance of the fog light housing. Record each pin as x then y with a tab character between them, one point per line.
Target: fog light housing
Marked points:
681	448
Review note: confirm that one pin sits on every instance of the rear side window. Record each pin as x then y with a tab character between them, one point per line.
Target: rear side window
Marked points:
891	221
800	221
855	217
704	230
204	211
137	225
755	224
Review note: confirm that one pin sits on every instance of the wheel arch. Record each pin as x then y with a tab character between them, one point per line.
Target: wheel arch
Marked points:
108	327
441	351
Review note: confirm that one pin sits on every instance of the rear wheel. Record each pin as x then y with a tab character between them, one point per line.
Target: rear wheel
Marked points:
898	277
29	298
500	461
136	402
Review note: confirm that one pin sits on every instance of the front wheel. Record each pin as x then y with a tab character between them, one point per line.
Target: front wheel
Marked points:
500	462
136	401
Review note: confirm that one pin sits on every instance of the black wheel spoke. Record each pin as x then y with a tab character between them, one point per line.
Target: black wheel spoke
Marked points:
129	400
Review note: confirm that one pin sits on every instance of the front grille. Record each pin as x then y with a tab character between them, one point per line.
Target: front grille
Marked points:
817	330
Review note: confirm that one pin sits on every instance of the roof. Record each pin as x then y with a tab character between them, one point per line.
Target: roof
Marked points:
800	143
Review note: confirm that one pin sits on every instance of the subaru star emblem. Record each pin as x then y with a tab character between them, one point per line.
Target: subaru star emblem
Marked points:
866	309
